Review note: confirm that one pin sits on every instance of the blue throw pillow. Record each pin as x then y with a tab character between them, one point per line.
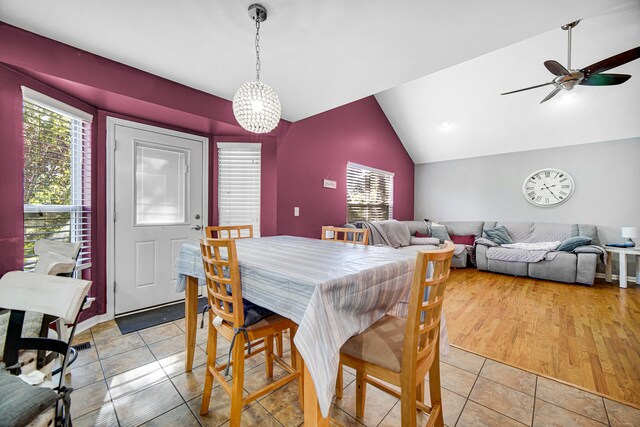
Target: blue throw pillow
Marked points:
499	235
439	231
573	242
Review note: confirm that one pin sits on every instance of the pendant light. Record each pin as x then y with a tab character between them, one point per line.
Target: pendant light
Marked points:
255	105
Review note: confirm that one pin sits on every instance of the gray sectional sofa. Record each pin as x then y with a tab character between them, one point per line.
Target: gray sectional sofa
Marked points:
577	266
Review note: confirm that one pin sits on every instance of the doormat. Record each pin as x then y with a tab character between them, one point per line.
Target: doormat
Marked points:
158	316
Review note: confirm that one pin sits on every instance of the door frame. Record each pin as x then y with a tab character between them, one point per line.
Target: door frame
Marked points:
112	122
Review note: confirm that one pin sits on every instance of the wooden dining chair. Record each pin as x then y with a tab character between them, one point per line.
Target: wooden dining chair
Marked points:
401	351
252	328
229	231
239	232
348	235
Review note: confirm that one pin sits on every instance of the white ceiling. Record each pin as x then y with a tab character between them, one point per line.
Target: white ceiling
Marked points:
481	122
323	54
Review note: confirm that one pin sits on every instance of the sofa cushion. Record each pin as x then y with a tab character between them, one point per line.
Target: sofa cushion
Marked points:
550	232
589	231
562	268
439	231
464	228
519	231
424	241
415	227
571	243
499	235
508	267
420	235
463	240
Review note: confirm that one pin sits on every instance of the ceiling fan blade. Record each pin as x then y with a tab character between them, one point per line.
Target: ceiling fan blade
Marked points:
612	62
553	93
556	68
526	88
605	79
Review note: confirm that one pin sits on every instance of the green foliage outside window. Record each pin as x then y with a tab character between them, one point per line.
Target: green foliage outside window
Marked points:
47	176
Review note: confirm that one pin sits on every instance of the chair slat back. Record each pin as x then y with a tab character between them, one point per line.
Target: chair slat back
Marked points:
229	231
350	235
425	305
224	291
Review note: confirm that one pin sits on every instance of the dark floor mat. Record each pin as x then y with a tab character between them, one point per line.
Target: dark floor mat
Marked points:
158	316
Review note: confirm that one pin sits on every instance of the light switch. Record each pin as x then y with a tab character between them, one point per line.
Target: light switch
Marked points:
296	211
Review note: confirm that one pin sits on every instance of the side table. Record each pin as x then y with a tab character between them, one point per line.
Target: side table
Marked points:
622	260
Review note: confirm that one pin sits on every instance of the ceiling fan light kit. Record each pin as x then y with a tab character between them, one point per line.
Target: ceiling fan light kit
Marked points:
567	78
256	106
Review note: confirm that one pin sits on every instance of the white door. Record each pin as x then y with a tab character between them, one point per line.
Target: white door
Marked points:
158	185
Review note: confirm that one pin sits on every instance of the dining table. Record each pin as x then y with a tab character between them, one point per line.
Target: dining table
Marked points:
331	290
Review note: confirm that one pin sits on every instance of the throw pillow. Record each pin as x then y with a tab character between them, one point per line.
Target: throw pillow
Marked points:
499	235
439	231
573	242
420	235
464	240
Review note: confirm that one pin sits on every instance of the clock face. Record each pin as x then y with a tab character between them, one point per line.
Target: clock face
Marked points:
548	187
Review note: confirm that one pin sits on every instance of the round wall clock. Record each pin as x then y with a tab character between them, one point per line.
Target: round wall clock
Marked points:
548	187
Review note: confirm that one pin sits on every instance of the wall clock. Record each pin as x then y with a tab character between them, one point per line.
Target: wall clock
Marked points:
548	187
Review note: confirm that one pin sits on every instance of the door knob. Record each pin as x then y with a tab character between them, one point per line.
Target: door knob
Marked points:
197	228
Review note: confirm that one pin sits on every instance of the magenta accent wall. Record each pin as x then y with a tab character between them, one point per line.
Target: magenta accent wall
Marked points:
295	157
320	147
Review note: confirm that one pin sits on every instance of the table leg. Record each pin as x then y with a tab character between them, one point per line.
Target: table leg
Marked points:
637	269
312	414
623	270
608	267
190	320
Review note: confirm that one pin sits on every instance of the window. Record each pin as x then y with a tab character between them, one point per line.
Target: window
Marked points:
57	175
369	193
239	184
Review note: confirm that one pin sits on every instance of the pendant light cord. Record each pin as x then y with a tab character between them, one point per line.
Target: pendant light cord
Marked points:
257	50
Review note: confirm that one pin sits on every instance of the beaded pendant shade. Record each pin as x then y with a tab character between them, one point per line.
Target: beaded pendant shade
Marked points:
255	105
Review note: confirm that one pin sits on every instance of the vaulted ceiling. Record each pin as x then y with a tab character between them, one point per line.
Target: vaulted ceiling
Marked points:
458	112
323	54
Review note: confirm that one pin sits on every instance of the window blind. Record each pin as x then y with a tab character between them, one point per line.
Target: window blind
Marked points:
239	184
57	175
369	193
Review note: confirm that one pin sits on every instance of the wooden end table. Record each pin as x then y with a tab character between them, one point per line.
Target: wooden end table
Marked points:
622	261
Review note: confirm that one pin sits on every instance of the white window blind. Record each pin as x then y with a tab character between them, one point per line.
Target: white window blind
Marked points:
57	175
239	184
369	193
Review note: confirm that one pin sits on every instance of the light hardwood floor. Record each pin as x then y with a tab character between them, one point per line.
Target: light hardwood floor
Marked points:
585	336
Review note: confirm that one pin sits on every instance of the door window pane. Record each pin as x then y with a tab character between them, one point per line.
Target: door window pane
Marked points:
161	191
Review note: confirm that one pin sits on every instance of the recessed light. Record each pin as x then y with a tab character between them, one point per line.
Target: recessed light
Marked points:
445	125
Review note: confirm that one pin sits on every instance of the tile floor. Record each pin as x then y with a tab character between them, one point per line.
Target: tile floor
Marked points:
139	379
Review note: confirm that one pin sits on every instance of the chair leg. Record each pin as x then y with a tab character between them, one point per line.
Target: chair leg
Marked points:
408	406
268	354
238	381
420	392
361	393
339	382
300	368
212	350
292	334
435	392
279	344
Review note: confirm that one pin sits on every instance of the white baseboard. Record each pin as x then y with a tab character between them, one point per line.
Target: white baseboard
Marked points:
630	279
91	322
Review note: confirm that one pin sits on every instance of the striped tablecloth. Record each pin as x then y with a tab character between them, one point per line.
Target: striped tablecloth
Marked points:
332	290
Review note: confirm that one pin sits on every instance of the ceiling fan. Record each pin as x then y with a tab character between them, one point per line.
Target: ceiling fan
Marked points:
568	78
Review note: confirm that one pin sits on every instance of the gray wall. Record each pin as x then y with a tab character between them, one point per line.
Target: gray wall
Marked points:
607	187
